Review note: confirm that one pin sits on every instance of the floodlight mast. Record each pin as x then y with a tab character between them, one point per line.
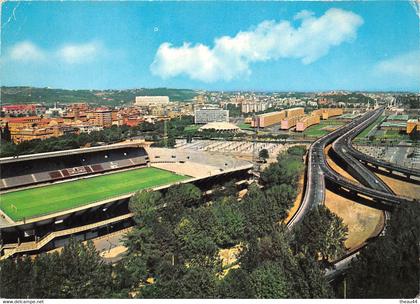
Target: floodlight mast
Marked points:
254	147
165	134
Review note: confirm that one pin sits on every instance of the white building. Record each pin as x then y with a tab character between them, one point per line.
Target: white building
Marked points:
55	111
145	101
207	114
251	107
88	128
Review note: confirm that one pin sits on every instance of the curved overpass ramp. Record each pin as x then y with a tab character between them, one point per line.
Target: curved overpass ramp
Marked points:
319	171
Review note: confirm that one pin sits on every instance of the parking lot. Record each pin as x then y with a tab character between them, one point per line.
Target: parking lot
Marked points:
236	147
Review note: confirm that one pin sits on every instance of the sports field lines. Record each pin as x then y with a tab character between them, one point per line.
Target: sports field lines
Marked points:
58	197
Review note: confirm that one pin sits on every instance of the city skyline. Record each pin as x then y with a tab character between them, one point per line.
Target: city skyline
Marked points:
257	46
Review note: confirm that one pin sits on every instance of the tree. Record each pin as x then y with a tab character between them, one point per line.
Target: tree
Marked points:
236	285
183	282
5	134
321	235
280	199
271	262
197	246
269	282
144	204
286	170
253	208
229	223
15	278
263	154
80	263
77	272
184	194
298	151
389	266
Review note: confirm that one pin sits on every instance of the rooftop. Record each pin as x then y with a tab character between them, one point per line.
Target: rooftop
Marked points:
270	113
398	117
394	124
221	126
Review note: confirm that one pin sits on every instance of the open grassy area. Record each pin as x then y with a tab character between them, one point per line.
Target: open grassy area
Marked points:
368	129
192	128
245	126
393	134
318	130
54	198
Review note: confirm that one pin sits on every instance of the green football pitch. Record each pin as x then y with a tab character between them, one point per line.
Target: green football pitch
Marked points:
58	197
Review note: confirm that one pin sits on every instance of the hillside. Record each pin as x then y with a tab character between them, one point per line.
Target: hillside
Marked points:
14	95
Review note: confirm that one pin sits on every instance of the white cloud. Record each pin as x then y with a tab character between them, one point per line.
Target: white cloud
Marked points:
230	57
405	65
76	53
26	51
303	14
415	4
69	53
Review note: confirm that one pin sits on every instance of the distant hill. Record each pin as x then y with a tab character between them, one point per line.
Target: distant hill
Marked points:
14	95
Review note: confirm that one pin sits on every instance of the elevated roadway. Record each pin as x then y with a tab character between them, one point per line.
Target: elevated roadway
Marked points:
383	199
341	148
314	187
319	173
345	144
372	190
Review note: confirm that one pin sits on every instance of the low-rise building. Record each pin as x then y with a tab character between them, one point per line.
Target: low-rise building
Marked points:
413	125
254	106
306	122
294	112
103	117
395	126
268	119
88	128
289	122
397	118
146	101
210	114
23	109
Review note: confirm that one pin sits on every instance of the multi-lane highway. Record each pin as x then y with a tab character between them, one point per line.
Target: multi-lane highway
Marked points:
319	171
314	188
346	141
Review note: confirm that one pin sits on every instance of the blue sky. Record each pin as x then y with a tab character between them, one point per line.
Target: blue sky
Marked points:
279	46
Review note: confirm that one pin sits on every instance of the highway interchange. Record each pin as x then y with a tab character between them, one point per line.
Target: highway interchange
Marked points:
370	188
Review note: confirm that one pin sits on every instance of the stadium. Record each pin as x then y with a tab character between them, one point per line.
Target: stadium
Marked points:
47	198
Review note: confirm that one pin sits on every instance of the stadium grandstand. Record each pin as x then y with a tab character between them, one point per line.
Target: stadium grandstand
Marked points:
50	167
47	198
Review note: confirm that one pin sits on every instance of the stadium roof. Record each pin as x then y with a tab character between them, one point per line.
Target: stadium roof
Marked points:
220	126
19	158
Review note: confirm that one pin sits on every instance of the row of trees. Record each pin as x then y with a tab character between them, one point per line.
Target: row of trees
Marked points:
175	128
73	141
178	245
77	272
154	132
388	267
100	97
173	250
